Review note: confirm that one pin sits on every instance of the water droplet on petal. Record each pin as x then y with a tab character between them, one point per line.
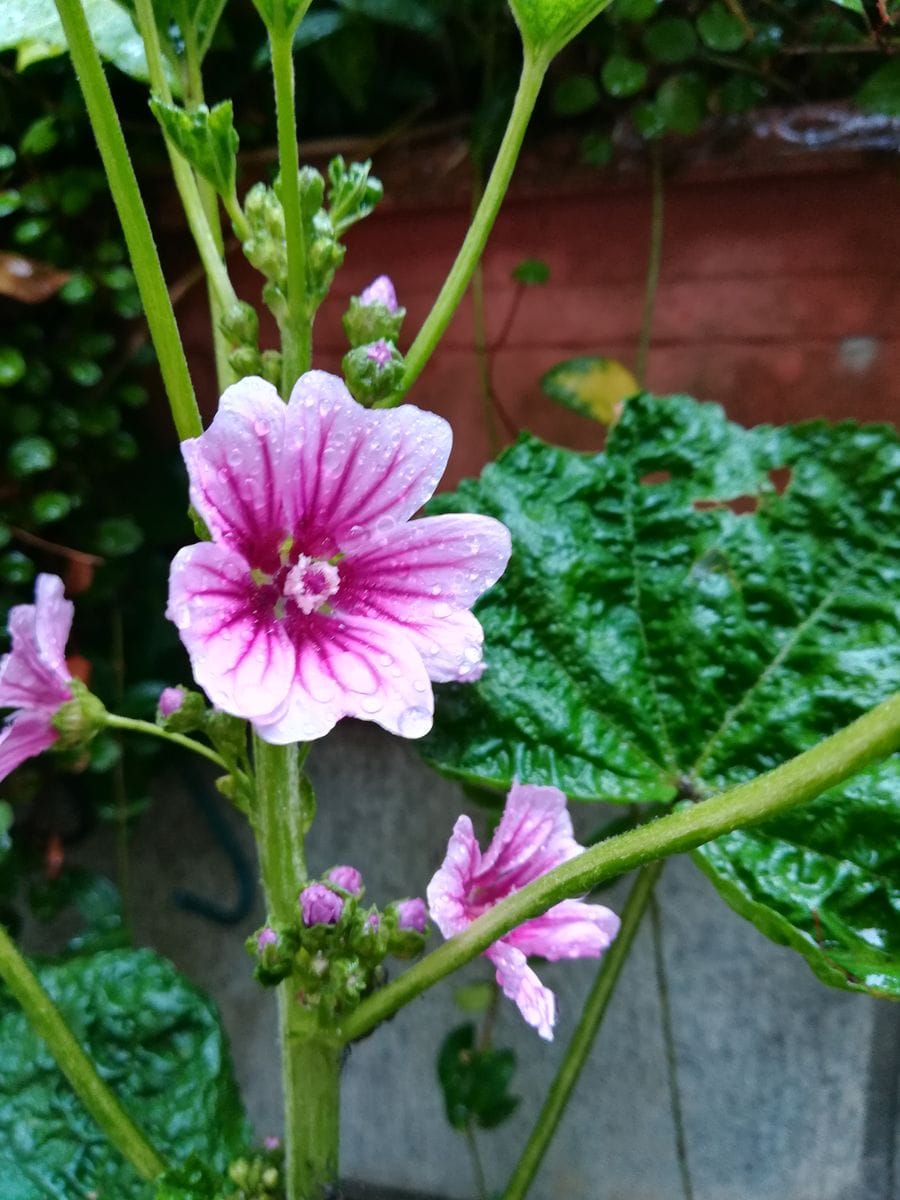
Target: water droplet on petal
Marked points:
261	428
442	610
414	722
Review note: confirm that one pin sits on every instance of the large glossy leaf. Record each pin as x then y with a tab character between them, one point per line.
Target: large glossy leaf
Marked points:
156	1041
34	30
675	620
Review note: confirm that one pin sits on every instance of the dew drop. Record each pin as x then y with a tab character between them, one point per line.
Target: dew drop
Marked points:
414	722
442	610
261	428
371	704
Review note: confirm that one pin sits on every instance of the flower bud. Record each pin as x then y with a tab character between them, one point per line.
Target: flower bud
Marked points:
79	720
320	905
240	324
373	372
374	314
347	878
412	914
274	951
244	361
170	700
380	291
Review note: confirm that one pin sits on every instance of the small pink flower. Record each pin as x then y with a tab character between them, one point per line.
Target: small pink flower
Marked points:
380	291
34	679
533	837
379	353
412	915
347	878
318	597
170	700
320	905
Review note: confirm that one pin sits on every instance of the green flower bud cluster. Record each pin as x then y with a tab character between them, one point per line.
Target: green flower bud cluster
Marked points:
256	1178
241	326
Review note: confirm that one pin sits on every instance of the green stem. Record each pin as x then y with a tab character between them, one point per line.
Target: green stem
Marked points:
133	725
471	250
133	217
297	331
654	262
210	254
49	1023
582	1039
871	737
310	1060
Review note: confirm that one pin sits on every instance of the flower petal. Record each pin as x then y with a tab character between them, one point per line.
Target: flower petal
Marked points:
448	899
352	667
424	576
237	472
519	983
351	468
571	929
534	835
241	654
34	673
25	735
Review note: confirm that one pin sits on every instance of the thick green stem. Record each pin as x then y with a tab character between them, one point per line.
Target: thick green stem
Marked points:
48	1022
296	332
482	223
867	739
133	217
210	253
582	1039
310	1058
132	725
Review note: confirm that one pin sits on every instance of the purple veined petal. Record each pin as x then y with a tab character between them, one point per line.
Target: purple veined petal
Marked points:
352	469
26	679
353	667
451	647
426	569
240	651
448	891
519	983
533	837
53	615
571	929
25	735
238	474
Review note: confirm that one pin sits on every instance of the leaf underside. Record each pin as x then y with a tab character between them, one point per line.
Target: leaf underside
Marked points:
684	611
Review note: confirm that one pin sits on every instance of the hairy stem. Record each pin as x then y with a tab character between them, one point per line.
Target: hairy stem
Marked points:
871	737
471	250
582	1039
48	1022
133	217
133	725
297	330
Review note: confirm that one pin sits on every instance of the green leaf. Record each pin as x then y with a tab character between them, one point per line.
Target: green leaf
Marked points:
671	40
40	137
12	366
118	536
633	10
881	91
681	102
547	25
475	1082
623	76
94	897
575	95
853	5
594	387
596	150
683	612
206	137
29	455
156	1041
531	272
34	30
720	29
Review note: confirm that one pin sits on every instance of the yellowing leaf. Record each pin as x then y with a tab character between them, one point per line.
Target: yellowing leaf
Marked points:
594	387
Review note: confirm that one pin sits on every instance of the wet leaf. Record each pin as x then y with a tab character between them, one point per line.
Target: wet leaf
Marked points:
594	387
475	1082
33	29
206	137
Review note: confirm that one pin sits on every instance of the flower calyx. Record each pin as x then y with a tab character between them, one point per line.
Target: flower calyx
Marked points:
373	372
79	720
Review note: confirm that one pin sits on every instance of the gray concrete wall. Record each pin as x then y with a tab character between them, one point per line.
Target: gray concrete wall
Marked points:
789	1089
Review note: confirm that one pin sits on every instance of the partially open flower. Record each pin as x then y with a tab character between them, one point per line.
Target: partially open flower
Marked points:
320	905
34	678
533	837
380	291
318	597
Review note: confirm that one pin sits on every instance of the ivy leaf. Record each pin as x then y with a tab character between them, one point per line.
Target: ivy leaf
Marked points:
720	29
881	91
206	137
475	1082
157	1043
676	620
547	25
594	387
33	29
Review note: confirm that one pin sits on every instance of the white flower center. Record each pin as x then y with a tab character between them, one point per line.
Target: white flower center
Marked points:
311	582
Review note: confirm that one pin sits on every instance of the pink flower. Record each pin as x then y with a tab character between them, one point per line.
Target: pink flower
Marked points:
412	915
33	676
380	291
320	905
347	878
170	700
533	837
318	598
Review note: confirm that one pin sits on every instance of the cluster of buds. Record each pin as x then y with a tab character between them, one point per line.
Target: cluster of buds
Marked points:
240	325
334	951
256	1177
373	367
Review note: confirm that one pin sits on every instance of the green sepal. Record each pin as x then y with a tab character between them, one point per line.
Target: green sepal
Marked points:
206	137
366	323
80	719
367	379
353	192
